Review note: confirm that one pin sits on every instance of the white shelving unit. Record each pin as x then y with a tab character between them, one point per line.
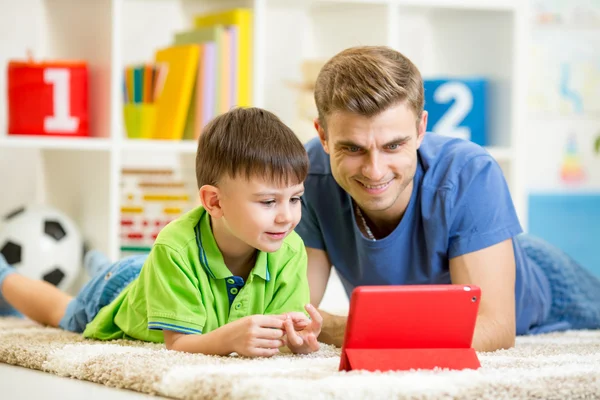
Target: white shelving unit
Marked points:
82	176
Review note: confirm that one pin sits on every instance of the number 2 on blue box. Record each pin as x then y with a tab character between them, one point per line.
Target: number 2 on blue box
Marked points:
457	108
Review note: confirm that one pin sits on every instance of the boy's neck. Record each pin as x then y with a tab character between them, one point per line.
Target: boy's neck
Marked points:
237	255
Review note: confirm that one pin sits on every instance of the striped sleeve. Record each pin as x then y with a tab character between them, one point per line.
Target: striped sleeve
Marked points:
172	293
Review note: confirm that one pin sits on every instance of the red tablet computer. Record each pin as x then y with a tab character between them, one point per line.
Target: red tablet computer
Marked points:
411	327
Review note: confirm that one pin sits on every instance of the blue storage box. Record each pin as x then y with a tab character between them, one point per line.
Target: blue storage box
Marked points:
458	107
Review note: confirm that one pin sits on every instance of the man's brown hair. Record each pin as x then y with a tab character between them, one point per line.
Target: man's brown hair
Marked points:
250	142
367	80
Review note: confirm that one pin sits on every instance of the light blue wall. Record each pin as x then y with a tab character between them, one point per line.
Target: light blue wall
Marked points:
570	222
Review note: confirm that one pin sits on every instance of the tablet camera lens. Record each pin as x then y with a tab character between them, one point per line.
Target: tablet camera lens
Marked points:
474	299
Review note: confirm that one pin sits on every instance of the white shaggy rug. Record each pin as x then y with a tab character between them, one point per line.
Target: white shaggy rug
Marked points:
554	366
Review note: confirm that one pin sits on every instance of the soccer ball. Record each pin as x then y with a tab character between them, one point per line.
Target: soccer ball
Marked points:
42	243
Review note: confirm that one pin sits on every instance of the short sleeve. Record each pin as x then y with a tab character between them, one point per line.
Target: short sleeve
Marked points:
309	228
172	293
291	286
482	213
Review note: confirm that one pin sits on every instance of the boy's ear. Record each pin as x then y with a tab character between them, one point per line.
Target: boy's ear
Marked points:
210	198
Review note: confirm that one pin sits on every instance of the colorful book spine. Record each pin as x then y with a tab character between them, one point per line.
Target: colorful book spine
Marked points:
242	18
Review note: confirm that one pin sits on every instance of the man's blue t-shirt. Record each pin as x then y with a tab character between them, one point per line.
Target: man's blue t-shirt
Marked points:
460	204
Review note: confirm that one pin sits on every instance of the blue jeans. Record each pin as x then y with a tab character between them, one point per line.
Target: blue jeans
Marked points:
108	280
575	290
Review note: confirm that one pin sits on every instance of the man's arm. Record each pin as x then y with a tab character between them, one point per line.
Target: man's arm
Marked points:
493	270
319	268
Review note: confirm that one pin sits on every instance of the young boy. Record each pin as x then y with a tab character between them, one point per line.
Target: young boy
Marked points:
228	276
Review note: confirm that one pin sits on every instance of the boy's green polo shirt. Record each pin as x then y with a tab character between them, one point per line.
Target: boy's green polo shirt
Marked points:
185	286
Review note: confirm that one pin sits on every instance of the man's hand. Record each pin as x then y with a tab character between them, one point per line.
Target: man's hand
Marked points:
255	335
301	333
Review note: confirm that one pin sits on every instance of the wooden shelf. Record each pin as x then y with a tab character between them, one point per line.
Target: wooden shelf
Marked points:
172	146
491	5
58	143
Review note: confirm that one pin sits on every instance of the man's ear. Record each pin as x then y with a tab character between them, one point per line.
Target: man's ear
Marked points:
422	128
210	196
322	135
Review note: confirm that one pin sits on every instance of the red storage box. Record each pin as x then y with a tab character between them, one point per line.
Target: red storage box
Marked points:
48	98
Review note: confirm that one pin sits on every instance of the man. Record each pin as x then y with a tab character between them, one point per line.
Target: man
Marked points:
387	204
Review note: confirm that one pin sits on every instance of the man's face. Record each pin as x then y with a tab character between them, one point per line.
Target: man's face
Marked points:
374	159
258	213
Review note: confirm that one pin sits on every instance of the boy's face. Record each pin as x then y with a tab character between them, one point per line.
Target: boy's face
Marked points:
258	213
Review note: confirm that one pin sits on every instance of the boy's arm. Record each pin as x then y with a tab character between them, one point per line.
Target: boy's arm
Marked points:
252	336
172	297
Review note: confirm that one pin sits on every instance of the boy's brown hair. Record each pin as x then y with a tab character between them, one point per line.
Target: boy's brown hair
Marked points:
367	80
250	142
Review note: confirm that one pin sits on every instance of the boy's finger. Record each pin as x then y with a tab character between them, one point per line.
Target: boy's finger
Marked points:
301	327
282	317
270	333
292	336
313	343
270	321
314	314
297	316
260	352
268	344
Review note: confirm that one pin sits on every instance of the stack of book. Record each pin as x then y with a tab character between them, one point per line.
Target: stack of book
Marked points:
207	71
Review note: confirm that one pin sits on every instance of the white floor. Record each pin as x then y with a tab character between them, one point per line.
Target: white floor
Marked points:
22	383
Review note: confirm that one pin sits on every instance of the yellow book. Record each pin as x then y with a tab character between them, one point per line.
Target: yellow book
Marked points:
206	98
225	100
243	19
174	100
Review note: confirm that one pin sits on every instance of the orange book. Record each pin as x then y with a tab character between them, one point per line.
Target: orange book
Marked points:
147	90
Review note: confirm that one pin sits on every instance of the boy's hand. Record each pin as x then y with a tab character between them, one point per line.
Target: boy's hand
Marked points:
256	335
301	332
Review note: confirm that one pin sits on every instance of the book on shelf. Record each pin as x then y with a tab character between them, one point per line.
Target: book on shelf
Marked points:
240	20
206	93
174	100
207	71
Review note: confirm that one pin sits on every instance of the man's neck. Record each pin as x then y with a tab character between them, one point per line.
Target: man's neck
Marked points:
383	222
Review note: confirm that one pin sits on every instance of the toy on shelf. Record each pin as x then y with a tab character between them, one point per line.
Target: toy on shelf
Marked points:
457	107
571	170
48	98
151	198
42	243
